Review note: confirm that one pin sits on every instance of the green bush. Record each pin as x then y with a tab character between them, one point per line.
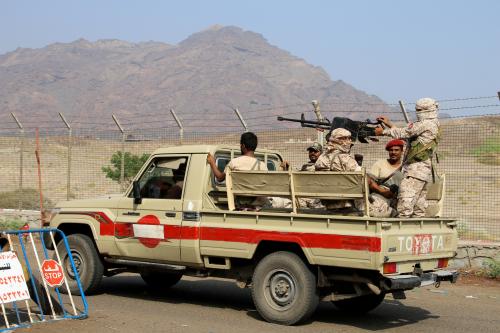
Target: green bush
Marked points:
27	198
491	269
11	224
132	164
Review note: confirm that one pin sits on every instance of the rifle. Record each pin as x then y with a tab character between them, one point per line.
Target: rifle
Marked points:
360	130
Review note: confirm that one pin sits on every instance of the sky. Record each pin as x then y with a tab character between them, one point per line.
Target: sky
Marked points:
397	50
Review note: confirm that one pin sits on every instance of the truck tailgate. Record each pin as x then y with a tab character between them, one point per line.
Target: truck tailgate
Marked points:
410	243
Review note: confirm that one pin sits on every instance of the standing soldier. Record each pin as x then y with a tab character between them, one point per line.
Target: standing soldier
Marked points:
423	136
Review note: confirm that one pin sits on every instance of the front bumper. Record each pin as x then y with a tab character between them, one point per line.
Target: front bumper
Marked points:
406	282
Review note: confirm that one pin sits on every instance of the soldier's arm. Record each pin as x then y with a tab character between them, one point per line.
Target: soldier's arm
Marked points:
413	129
322	164
219	175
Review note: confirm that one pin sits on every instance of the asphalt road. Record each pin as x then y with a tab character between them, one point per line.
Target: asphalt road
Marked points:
213	306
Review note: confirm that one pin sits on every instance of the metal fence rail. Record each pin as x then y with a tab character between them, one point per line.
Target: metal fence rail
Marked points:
72	161
48	296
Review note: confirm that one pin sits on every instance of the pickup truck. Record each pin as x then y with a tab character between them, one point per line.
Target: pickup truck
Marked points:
176	219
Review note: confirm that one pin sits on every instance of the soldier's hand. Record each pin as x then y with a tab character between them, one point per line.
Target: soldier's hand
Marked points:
385	121
285	165
210	159
379	131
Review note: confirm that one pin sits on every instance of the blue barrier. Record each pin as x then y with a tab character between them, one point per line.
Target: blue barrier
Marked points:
35	295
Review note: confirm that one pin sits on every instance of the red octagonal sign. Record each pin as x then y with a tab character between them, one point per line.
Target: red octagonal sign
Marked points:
52	273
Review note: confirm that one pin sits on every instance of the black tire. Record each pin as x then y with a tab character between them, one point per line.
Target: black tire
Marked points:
361	304
284	289
87	262
160	280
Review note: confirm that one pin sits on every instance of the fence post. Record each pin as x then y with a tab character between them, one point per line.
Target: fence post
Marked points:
403	109
68	180
122	166
241	119
181	128
20	157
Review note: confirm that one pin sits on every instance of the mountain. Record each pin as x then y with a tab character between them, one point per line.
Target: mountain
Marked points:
202	78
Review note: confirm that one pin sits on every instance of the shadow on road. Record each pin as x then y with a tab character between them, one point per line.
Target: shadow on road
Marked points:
390	314
225	294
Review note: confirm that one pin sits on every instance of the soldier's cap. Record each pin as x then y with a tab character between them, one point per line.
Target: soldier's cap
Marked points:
315	146
395	142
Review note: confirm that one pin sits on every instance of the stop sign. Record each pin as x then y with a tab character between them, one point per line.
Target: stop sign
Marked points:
52	273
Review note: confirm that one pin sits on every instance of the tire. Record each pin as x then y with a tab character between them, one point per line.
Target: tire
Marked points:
159	280
284	289
87	262
361	304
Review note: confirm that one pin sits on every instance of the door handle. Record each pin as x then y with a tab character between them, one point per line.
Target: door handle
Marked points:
132	213
170	214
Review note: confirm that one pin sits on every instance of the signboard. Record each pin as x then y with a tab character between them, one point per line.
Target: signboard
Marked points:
12	281
52	273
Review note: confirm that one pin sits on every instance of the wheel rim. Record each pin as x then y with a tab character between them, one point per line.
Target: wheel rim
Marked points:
280	289
78	261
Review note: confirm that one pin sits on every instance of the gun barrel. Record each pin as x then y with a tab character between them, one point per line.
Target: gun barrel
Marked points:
308	123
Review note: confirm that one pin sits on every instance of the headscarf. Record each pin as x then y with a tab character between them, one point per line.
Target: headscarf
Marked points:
342	145
426	108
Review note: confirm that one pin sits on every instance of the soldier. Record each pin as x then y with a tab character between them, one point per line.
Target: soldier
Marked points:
246	162
314	152
336	157
388	172
423	136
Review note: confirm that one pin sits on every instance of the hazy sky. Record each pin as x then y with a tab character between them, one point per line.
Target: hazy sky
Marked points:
392	49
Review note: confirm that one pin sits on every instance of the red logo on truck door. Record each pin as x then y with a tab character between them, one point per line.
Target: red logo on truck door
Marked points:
52	273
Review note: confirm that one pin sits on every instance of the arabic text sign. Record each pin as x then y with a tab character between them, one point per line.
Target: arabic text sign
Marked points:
52	273
12	282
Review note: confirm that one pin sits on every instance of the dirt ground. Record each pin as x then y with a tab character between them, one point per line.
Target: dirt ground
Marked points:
214	305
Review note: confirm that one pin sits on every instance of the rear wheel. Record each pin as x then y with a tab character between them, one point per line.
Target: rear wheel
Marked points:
87	262
160	280
284	289
361	304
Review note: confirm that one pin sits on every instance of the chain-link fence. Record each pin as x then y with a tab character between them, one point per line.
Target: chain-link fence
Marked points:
72	161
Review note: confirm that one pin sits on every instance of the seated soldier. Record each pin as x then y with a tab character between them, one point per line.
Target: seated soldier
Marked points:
175	192
336	157
385	179
246	162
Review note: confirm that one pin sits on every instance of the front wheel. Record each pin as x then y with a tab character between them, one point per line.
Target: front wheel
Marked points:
284	289
87	263
361	304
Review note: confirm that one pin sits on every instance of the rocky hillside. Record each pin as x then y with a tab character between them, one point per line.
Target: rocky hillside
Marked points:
202	78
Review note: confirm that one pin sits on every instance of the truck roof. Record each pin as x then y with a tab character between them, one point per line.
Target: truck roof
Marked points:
203	149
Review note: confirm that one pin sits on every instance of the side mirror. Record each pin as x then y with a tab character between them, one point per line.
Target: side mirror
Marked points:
136	188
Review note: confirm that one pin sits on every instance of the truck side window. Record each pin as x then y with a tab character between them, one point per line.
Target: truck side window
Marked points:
164	178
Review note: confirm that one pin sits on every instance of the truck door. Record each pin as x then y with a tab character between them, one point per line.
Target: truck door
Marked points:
152	229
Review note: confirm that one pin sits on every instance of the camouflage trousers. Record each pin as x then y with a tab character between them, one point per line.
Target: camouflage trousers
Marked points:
412	197
380	206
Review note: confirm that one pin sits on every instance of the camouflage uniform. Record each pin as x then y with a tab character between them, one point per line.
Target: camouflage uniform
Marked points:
336	158
417	173
308	202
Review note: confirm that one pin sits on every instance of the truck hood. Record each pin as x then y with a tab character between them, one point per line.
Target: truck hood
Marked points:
107	201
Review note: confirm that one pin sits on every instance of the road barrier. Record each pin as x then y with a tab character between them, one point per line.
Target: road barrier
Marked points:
33	284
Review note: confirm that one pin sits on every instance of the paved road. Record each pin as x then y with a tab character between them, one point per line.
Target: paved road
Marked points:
214	306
